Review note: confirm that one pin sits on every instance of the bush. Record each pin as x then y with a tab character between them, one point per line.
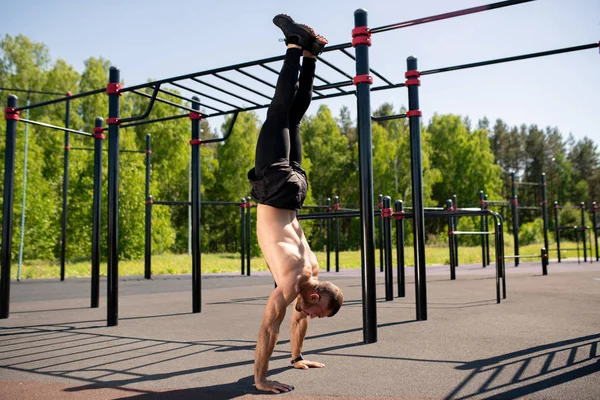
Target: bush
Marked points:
531	232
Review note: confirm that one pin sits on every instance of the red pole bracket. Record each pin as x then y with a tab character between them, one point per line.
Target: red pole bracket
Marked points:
195	116
11	114
195	141
362	79
113	121
413	113
114	88
412	82
386	213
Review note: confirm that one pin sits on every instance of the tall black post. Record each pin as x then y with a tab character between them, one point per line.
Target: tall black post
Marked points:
455	228
148	236
242	233
361	40
11	116
545	215
482	228
112	278
451	239
63	236
414	115
336	208
400	247
97	211
386	217
583	229
380	232
248	234
328	252
595	227
487	228
556	230
195	118
515	214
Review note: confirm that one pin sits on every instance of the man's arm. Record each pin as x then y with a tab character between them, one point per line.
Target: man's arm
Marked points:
267	338
298	328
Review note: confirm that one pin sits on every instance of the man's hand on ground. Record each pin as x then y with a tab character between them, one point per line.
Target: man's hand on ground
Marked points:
273	386
306	364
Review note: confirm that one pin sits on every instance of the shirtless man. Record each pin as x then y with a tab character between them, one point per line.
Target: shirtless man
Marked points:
279	186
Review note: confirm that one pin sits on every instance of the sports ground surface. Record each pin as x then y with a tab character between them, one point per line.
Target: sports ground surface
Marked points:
541	342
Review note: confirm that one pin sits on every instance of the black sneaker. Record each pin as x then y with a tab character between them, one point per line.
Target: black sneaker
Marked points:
318	43
294	33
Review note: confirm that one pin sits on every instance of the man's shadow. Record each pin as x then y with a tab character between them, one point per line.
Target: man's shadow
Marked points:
225	391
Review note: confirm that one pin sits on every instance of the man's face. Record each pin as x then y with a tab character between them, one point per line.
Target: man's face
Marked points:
314	306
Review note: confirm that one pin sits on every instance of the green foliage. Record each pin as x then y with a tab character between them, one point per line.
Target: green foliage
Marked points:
531	232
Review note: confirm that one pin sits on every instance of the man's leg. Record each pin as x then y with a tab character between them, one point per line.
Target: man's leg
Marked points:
299	106
274	139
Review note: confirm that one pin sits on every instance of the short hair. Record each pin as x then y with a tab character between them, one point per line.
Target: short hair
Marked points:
336	297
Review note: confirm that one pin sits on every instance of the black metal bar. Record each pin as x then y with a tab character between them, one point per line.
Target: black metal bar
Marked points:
451	239
227	134
583	237
112	281
328	252
482	228
380	232
97	214
8	201
487	228
148	236
387	117
387	233
335	85
369	295
60	100
160	100
557	231
241	71
148	108
248	234
333	67
242	235
33	91
65	192
151	121
510	59
544	261
171	203
223	91
417	195
336	207
196	212
242	86
198	93
515	215
58	128
448	15
595	225
400	248
455	227
377	74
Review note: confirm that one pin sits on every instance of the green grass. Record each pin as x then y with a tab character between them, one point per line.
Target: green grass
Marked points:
175	264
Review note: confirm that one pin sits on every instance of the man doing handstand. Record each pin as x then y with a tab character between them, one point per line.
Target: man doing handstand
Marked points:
279	186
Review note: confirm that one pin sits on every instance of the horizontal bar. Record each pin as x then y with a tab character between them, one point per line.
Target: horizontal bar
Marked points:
32	91
59	128
198	93
67	98
509	59
241	71
522	256
529	183
333	67
171	203
221	203
529	208
242	86
377	74
160	100
568	207
469	233
226	92
387	117
93	149
150	121
334	85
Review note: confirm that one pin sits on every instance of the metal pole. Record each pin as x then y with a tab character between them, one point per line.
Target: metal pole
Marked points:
336	208
196	208
112	281
63	240
148	236
248	233
455	239
361	41
386	217
400	248
544	261
595	227
11	116
515	220
583	237
328	245
242	234
451	239
482	228
24	192
545	215
380	232
556	230
414	114
97	212
487	228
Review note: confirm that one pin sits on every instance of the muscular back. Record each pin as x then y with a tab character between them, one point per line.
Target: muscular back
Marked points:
284	247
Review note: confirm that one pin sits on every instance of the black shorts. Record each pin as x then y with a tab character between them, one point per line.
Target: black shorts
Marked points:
282	185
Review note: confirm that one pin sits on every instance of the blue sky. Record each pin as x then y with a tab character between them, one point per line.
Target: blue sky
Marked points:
150	39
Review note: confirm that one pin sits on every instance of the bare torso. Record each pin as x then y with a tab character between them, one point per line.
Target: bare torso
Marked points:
284	246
